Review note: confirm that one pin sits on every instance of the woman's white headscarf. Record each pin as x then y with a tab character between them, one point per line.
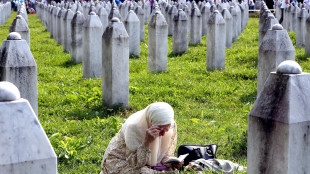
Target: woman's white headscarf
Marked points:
134	129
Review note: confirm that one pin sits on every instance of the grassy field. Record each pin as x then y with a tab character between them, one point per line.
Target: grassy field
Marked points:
210	106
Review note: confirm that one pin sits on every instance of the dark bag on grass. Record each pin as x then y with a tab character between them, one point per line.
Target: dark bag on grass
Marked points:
197	151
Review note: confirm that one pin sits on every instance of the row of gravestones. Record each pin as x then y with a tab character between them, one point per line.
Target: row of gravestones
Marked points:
5	12
25	147
294	19
291	14
297	19
278	127
61	18
16	61
278	133
278	124
90	49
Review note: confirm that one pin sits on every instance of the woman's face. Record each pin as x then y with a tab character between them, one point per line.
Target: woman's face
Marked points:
164	129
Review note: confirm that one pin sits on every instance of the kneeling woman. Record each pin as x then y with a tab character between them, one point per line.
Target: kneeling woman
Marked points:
144	143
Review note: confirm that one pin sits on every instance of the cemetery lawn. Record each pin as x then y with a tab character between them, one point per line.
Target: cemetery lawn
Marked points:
210	106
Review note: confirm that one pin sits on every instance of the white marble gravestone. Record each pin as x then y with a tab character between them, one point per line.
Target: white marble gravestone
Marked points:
275	48
195	26
157	43
115	69
180	35
132	25
20	26
67	32
92	47
279	122
229	30
301	28
25	148
307	39
19	67
77	37
140	13
216	42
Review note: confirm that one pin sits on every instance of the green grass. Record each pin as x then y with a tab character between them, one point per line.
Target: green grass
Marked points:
210	106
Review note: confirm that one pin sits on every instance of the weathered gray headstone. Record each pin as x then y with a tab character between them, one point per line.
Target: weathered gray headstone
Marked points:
269	22
205	15
307	39
51	21
238	21
157	43
243	20
216	42
67	30
228	21
132	25
278	124
114	13
61	26
55	23
77	37
25	147
275	48
19	67
140	13
301	28
195	28
180	35
115	69
294	13
288	19
147	10
20	26
103	16
172	12
92	47
23	13
233	13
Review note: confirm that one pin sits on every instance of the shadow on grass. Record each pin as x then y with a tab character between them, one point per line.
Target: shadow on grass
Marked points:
176	54
96	111
134	57
68	64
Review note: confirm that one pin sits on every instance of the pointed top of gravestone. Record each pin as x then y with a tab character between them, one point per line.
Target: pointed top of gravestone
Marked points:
289	67
115	19
18	17
277	27
102	12
92	21
180	16
216	18
139	11
19	24
157	19
8	91
226	14
284	97
132	17
115	30
14	36
303	13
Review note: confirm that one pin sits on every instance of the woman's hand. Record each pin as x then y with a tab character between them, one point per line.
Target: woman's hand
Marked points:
151	134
